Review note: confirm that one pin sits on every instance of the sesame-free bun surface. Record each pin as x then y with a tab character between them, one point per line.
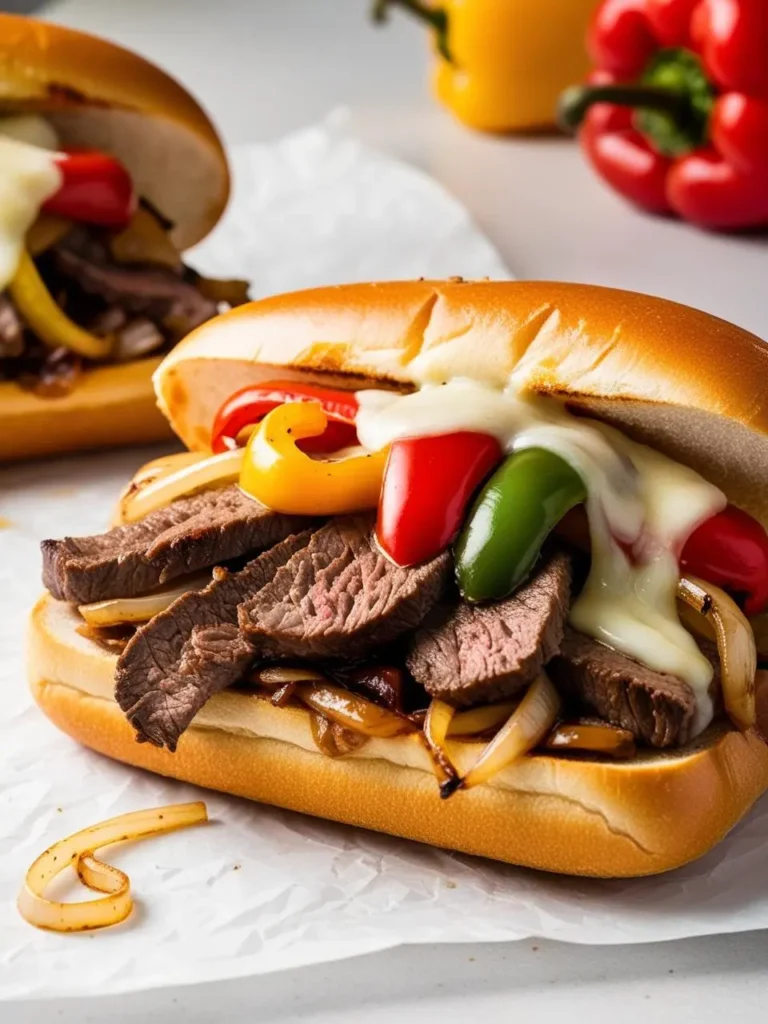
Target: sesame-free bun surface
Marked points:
573	816
109	407
685	382
99	95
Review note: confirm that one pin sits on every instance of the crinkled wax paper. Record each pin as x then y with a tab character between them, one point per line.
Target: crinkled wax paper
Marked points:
261	889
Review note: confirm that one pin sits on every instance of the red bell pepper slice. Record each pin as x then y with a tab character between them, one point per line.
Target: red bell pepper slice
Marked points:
251	404
96	188
428	483
731	551
694	75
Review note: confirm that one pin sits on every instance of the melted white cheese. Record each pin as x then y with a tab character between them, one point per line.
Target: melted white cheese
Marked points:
635	495
28	176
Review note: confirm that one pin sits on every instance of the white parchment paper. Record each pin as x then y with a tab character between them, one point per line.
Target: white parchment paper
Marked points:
260	889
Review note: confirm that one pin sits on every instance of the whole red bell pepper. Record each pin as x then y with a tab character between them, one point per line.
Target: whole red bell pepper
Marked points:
731	551
251	404
428	483
95	188
676	116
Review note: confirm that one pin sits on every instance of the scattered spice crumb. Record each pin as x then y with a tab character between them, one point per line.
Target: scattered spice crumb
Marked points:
59	810
471	959
671	971
535	949
237	867
449	884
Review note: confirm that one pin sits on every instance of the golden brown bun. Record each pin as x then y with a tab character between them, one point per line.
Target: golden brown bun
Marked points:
99	95
109	407
686	382
572	816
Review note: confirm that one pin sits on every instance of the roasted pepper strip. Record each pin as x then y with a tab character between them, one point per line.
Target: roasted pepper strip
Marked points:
693	77
48	321
283	478
731	551
95	188
251	404
428	483
513	515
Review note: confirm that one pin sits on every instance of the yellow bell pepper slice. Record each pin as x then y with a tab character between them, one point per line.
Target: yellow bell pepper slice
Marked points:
42	315
282	477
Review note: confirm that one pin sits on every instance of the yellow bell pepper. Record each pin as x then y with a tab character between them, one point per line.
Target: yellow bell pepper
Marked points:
280	476
502	64
49	322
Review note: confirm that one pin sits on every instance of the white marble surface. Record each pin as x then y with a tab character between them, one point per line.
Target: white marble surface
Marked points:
264	68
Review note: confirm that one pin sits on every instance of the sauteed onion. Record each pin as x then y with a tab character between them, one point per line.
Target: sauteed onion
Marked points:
526	727
139	609
183	479
592	738
719	613
352	711
436	725
77	850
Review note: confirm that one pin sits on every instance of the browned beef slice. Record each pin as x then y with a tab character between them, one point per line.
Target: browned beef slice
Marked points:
190	534
471	654
655	707
340	597
157	292
193	649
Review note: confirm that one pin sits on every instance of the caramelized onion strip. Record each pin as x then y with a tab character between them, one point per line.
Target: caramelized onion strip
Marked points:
352	711
735	644
198	475
437	724
526	727
593	739
470	723
118	610
77	850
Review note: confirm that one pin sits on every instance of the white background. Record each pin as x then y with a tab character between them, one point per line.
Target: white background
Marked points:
264	67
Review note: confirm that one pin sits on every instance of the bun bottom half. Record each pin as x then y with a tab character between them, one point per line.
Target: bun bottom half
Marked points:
109	407
572	816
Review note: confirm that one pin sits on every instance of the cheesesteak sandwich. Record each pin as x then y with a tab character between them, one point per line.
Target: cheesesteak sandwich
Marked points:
477	564
109	169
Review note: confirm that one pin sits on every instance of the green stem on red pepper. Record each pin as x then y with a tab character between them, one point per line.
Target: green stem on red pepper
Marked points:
673	100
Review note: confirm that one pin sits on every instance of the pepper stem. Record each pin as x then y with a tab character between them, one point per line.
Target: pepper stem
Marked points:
576	101
435	17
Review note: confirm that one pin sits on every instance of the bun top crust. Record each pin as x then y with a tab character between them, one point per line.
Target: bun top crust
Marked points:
690	384
98	94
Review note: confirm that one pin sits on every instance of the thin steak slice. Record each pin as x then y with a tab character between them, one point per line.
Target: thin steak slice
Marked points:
157	292
340	597
655	707
178	660
190	534
477	654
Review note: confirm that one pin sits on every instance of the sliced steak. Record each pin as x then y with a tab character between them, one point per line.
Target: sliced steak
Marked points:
340	597
157	292
190	534
656	707
178	660
476	654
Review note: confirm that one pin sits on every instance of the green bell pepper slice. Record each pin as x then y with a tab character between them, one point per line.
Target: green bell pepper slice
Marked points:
513	515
